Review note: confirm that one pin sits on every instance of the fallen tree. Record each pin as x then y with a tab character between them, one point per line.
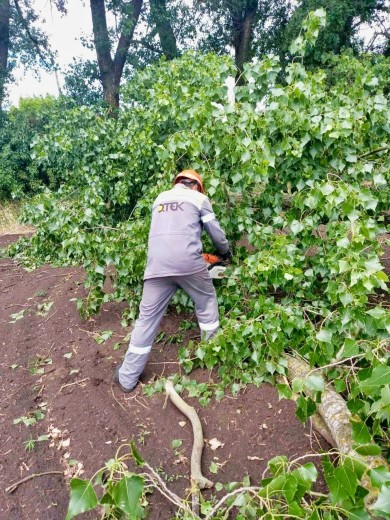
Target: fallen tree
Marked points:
333	422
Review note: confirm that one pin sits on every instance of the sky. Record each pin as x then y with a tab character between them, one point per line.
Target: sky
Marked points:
64	35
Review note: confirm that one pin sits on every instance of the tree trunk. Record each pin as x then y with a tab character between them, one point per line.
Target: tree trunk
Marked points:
336	417
243	25
162	22
111	69
5	14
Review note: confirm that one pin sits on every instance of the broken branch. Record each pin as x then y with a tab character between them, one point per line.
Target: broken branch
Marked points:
13	487
198	481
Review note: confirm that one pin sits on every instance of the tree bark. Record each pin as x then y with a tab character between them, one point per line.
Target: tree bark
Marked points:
336	417
5	14
111	69
243	19
162	22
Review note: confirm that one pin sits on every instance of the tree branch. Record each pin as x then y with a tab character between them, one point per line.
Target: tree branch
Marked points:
148	46
101	38
197	448
33	39
128	29
162	22
13	487
377	150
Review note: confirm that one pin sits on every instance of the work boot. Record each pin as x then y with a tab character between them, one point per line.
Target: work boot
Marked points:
116	380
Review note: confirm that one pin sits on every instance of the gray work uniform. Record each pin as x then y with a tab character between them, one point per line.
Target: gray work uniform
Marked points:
174	261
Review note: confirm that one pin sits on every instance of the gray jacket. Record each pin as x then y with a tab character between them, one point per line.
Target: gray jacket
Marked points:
175	247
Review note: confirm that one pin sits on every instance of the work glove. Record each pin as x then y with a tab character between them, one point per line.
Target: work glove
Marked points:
225	257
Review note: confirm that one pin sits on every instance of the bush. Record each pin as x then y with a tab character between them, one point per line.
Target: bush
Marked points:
19	175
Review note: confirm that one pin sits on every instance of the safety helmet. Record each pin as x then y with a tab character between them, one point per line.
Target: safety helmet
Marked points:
190	174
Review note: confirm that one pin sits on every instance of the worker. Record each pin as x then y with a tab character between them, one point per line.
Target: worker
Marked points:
175	261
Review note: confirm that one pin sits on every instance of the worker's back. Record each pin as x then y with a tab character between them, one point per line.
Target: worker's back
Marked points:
175	247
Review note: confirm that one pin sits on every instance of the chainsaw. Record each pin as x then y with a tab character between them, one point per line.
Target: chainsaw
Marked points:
216	266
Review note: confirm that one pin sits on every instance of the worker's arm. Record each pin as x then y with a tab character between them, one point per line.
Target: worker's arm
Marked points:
212	227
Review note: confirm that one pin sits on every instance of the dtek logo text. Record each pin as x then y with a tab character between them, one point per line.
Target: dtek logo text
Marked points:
172	206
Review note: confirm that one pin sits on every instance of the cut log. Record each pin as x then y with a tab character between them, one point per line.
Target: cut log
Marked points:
337	418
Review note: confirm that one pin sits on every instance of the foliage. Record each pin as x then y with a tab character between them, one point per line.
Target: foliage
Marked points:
347	68
288	491
19	176
298	171
225	22
122	491
344	19
82	83
23	42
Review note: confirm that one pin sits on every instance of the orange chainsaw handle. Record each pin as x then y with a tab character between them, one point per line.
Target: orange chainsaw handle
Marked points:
211	259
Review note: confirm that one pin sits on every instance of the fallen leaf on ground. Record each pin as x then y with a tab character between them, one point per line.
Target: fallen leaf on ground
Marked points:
215	443
180	460
65	443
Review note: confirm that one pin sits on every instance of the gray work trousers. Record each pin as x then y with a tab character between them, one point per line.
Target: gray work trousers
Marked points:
157	293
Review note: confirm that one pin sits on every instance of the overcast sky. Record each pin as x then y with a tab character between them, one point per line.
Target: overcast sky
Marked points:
64	35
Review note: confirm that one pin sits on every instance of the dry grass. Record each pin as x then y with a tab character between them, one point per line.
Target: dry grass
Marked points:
9	225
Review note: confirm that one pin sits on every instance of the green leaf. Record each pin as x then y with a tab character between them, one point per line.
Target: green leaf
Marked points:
373	265
382	505
278	465
308	472
379	377
315	382
136	455
336	491
377	312
343	242
368	449
327	189
214	468
237	177
284	391
176	443
127	493
350	348
360	432
297	385
347	478
324	335
379	476
296	227
82	497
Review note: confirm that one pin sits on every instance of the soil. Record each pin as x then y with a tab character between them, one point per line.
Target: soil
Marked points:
51	362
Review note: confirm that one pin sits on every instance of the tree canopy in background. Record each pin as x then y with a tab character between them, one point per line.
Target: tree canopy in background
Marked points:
344	19
128	35
244	28
22	39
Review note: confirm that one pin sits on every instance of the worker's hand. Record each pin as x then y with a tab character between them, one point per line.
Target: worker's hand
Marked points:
226	257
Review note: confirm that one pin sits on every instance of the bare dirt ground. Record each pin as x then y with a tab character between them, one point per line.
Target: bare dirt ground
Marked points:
52	369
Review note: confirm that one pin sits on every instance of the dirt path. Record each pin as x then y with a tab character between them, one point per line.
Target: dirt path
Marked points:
51	365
